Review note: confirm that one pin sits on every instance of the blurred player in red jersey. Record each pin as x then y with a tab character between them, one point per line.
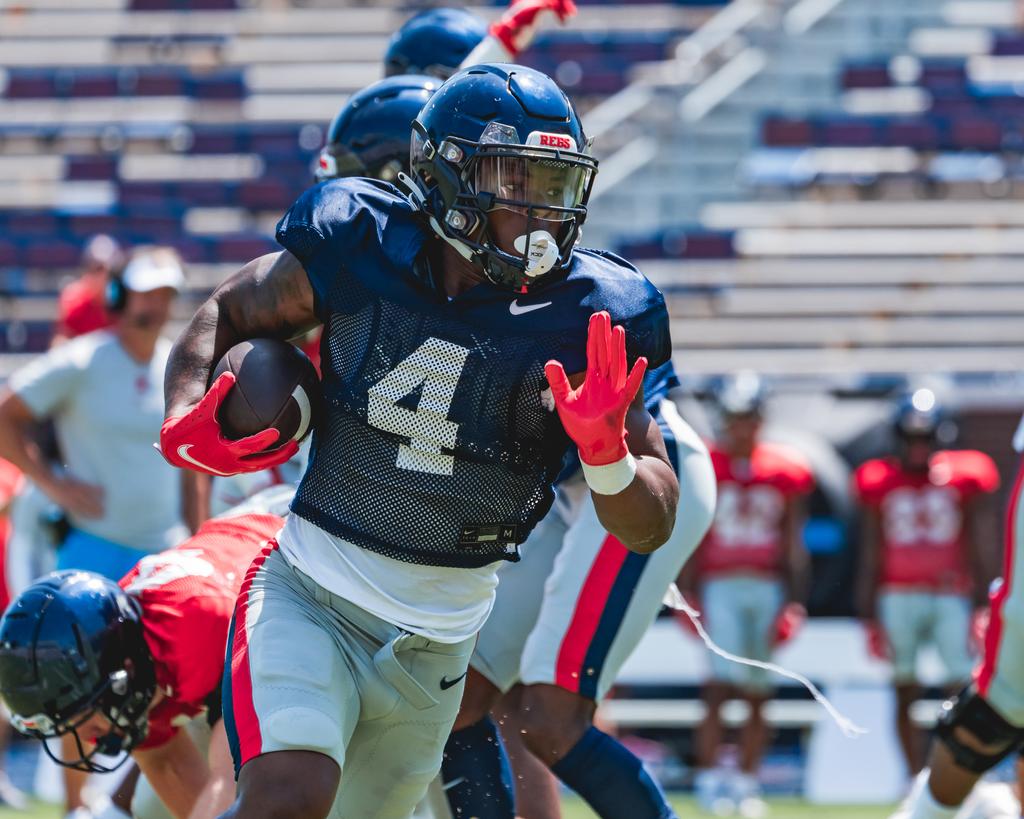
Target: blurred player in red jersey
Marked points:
82	305
121	669
922	569
750	576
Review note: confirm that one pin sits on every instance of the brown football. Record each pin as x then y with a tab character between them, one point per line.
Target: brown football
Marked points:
276	386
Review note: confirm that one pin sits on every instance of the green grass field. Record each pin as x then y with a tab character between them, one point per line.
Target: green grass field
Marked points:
574	809
780	809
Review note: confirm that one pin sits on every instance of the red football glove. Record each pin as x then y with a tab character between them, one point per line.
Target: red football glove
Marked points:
515	29
878	643
594	415
788	623
195	440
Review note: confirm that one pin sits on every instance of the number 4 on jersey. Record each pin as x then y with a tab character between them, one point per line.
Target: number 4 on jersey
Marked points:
436	366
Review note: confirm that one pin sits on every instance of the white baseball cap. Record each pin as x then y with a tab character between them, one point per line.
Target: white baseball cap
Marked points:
148	272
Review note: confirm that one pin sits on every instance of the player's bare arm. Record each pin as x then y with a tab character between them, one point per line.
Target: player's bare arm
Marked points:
621	448
18	446
219	791
268	298
121	798
642	514
177	771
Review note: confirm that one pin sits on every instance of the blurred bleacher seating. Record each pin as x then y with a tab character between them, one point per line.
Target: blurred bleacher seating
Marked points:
849	201
195	123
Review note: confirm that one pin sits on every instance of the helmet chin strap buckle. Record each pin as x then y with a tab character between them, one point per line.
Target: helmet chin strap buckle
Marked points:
542	253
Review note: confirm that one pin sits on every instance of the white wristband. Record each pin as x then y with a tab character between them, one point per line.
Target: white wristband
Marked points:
610	479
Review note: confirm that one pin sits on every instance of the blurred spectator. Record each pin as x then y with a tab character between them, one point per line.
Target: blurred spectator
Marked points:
82	307
749	575
104	393
922	564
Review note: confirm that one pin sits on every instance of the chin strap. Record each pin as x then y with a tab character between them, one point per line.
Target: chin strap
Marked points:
415	196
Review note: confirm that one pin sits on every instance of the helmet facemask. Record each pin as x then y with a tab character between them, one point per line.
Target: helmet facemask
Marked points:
338	160
116	679
517	209
123	701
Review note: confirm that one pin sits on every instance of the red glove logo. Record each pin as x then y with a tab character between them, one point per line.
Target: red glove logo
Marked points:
594	415
195	440
515	28
788	623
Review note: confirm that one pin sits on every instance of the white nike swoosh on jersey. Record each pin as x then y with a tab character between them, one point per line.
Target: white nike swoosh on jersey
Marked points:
183	454
516	310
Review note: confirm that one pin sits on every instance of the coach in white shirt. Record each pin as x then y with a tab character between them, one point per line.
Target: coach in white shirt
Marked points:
104	393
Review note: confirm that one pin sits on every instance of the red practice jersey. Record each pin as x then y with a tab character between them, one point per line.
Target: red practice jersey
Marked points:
922	516
188	595
746	535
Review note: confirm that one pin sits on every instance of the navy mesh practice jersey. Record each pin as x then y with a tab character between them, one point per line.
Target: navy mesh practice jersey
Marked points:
437	445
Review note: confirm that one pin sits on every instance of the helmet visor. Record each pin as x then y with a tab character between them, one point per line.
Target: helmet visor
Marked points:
553	189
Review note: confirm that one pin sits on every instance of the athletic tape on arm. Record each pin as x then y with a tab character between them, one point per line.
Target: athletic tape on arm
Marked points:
674	600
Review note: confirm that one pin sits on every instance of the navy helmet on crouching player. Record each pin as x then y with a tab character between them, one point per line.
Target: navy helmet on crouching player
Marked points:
74	648
370	135
504	139
434	42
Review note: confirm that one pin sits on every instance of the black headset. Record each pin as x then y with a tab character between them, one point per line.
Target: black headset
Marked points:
115	294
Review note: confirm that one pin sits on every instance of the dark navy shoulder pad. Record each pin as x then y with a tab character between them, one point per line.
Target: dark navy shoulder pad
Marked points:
341	219
337	213
631	300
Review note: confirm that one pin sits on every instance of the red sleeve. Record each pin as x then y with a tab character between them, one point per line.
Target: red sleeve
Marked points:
187	596
800	478
161	728
789	469
974	471
870	481
187	637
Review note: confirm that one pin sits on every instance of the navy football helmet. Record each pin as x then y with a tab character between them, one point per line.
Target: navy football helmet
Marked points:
504	139
370	135
918	415
434	42
741	394
72	646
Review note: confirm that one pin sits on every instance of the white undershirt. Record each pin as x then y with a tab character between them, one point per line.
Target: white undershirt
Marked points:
438	602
